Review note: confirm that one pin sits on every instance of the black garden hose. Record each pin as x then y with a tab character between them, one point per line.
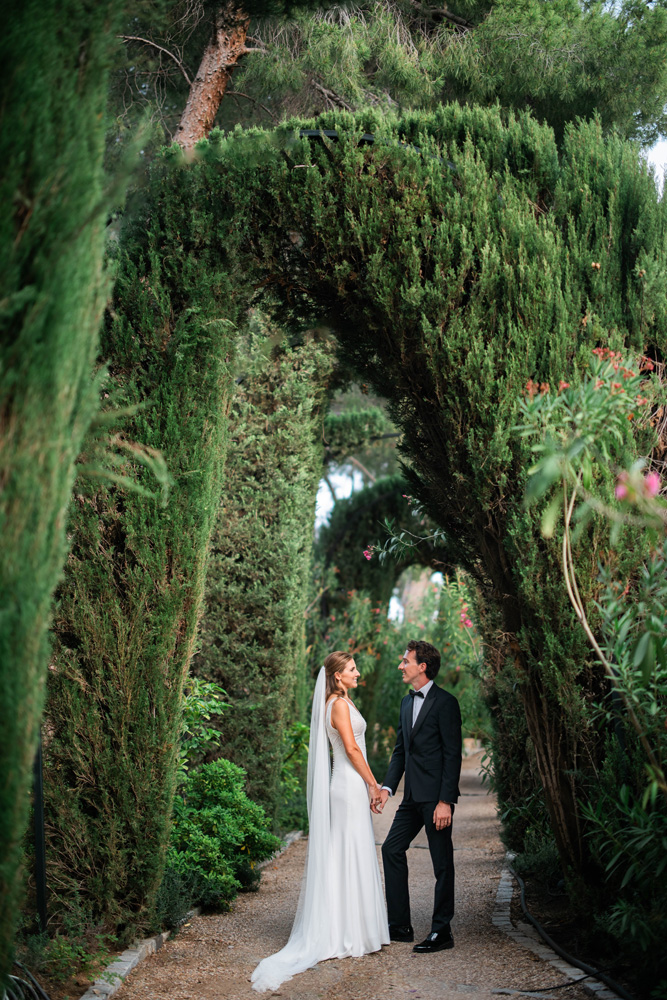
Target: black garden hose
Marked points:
602	976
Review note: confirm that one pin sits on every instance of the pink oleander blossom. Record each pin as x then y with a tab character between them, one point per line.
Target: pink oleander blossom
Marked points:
652	484
368	554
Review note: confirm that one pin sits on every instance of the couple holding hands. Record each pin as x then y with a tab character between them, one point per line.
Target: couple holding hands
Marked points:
341	911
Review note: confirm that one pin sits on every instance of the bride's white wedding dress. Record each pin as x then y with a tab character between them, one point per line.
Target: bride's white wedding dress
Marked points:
341	910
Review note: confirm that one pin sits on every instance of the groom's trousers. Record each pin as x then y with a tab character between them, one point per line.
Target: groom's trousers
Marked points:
409	819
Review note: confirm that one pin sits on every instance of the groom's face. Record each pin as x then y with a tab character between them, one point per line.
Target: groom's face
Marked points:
413	672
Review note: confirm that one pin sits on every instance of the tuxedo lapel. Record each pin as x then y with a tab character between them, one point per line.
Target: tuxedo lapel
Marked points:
406	708
429	701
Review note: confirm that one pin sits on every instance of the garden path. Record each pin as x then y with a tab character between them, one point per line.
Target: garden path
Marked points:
212	957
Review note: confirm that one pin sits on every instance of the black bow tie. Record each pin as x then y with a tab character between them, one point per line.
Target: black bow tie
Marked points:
416	694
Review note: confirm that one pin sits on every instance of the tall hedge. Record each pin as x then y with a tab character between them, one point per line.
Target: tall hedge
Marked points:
127	610
55	59
453	273
252	635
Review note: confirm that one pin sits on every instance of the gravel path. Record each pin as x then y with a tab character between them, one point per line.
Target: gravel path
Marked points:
213	957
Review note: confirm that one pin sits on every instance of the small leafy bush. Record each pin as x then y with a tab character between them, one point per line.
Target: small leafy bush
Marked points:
217	838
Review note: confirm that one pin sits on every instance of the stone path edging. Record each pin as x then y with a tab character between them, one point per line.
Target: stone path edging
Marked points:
528	937
113	977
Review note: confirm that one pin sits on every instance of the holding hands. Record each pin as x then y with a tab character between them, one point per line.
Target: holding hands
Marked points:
378	798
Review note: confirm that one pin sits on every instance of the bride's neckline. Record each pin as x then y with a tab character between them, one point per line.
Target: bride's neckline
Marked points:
348	701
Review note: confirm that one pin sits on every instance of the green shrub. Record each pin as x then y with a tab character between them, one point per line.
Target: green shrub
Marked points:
217	838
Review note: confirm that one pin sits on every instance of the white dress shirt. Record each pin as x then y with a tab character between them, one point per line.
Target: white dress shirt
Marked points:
418	702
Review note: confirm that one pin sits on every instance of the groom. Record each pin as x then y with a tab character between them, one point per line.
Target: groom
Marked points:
428	752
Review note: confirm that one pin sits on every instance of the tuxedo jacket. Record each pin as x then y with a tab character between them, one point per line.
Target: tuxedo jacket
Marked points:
430	753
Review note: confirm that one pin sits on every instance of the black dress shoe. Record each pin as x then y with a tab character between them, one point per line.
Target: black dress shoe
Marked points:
436	942
401	933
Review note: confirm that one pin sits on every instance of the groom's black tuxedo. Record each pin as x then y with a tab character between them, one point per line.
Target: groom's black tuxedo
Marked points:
429	754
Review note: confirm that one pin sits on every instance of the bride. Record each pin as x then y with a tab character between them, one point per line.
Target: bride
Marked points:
341	909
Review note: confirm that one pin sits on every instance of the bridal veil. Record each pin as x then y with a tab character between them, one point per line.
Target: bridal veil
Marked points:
309	941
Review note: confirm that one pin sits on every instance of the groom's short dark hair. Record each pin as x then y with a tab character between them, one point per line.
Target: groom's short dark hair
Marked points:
428	654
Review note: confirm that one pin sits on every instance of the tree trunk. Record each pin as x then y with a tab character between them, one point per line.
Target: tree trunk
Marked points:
208	87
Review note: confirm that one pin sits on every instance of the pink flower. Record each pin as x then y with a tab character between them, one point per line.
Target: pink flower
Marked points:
621	491
368	554
652	484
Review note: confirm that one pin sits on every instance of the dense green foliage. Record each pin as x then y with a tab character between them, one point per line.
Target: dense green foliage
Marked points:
55	64
580	433
561	59
128	608
217	838
252	639
346	432
423	249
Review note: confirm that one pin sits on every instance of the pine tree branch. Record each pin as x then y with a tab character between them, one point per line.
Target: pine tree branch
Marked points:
147	41
331	96
239	93
362	468
437	12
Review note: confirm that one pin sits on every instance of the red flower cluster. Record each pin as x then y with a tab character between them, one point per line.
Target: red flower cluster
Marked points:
615	357
532	388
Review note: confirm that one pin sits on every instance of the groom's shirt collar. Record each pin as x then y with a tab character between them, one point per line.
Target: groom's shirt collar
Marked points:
418	702
427	687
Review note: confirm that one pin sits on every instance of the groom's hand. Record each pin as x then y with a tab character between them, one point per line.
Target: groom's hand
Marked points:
442	816
379	806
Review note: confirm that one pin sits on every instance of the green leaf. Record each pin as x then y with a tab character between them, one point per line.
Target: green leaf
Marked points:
550	517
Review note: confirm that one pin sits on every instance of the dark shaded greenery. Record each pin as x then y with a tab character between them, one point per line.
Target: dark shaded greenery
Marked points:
127	611
55	66
252	635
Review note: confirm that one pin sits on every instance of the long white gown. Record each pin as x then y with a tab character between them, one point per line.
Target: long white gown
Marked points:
341	910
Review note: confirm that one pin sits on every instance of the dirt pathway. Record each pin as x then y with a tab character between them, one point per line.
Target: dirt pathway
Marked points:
213	957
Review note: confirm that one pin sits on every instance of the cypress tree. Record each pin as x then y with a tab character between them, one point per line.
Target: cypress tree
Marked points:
252	636
55	59
128	607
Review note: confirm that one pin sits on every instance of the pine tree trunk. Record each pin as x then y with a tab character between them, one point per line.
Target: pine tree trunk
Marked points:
208	87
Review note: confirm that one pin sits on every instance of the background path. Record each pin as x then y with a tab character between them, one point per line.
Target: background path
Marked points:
212	958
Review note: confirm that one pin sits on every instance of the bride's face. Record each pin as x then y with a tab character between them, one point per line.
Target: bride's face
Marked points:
349	675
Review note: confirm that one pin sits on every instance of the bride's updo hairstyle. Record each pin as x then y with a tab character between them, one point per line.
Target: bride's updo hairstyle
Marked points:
334	663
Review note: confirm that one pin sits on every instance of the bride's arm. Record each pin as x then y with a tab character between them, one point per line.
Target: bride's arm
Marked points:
340	720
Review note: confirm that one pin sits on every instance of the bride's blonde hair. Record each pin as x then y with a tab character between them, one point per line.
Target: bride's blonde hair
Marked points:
334	663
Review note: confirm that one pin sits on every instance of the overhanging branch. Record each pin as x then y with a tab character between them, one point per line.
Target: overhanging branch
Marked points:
161	48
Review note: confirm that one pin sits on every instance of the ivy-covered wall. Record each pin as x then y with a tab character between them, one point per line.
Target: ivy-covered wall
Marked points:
252	635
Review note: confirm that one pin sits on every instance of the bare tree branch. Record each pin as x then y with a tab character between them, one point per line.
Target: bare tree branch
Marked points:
239	93
331	96
147	41
438	12
362	468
